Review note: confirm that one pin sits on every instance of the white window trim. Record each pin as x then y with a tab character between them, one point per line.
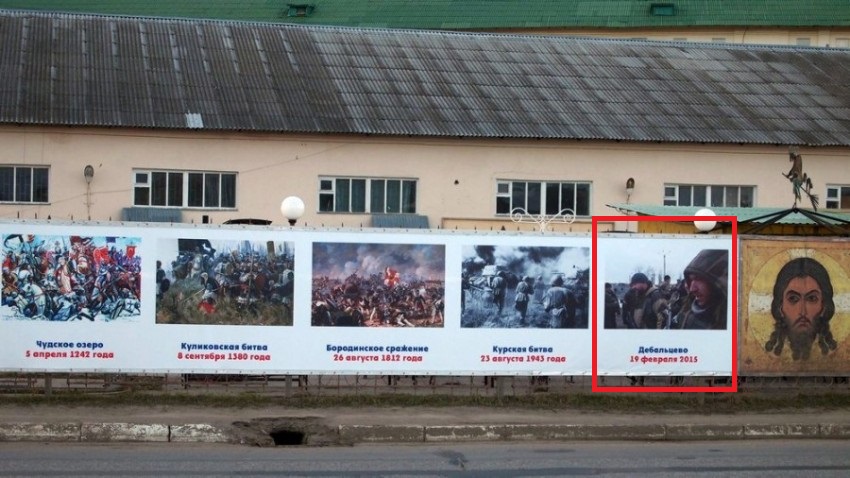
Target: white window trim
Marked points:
32	169
185	178
675	198
367	194
543	183
836	198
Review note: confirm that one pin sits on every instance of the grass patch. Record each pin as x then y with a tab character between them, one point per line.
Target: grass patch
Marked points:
608	403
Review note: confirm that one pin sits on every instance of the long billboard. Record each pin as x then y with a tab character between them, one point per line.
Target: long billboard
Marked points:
118	297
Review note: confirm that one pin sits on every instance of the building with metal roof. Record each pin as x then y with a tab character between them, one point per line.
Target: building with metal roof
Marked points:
216	120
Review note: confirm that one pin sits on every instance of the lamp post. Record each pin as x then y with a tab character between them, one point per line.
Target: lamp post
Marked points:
520	215
630	188
704	226
292	209
88	173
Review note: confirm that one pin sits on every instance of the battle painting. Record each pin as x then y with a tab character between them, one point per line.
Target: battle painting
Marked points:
70	278
378	285
224	282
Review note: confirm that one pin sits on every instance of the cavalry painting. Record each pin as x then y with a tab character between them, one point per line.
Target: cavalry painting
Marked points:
224	282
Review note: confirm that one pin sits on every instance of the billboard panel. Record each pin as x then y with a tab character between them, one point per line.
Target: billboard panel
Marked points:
665	305
795	298
112	297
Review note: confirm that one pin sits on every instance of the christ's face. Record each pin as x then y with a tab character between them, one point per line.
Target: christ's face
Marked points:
802	305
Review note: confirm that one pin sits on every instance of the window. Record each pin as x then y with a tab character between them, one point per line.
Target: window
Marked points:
539	197
194	189
662	9
837	197
803	41
712	196
24	184
299	10
718	40
367	195
842	42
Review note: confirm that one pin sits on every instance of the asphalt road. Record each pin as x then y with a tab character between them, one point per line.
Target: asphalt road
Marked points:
775	458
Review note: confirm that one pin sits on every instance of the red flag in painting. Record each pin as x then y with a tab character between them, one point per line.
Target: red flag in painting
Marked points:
391	277
131	251
100	256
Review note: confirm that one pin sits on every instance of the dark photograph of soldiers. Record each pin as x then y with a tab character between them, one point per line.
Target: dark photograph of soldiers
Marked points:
533	287
612	307
200	281
706	278
70	278
696	301
378	285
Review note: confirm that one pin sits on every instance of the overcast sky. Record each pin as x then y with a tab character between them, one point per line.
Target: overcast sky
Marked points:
619	258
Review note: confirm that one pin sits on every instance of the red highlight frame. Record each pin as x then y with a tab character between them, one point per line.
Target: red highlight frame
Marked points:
733	220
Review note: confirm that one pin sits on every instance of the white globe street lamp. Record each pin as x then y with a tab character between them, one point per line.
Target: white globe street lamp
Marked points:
292	209
705	226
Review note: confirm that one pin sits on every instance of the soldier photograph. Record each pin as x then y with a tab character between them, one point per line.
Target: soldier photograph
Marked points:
533	287
643	284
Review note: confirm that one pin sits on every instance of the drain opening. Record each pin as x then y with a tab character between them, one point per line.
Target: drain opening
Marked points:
287	437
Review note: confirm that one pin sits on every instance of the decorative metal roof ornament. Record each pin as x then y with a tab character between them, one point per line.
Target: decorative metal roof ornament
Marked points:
564	216
801	182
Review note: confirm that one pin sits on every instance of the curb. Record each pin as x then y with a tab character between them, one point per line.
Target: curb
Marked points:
491	433
353	434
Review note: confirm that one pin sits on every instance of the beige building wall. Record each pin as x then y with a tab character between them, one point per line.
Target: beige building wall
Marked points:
456	178
819	37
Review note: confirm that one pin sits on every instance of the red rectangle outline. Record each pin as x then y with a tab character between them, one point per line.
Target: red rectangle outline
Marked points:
733	387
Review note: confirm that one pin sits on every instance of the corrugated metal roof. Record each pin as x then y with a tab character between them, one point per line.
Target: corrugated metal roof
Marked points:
744	214
479	14
65	69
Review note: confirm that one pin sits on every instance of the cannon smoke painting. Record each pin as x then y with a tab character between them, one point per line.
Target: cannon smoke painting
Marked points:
378	285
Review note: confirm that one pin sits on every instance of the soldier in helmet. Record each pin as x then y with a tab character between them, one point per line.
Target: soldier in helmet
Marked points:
560	303
499	286
705	278
650	308
523	297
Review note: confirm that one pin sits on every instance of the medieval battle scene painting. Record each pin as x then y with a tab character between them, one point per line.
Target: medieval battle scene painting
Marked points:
378	285
664	284
530	287
70	278
224	282
795	304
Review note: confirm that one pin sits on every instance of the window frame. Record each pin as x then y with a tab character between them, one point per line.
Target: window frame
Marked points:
179	189
37	184
833	201
507	189
707	191
367	195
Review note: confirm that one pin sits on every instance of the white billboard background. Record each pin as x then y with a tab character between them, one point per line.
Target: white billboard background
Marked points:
658	352
138	344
